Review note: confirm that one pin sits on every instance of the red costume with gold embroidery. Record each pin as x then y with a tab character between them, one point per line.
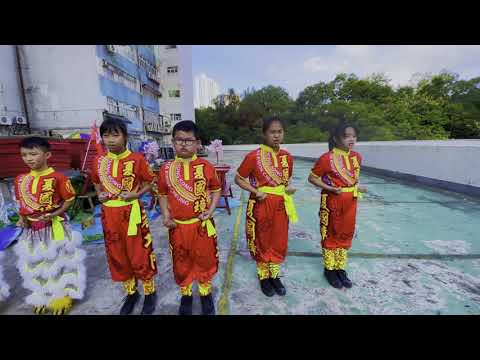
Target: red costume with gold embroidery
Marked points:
188	184
49	256
44	192
337	213
128	241
267	221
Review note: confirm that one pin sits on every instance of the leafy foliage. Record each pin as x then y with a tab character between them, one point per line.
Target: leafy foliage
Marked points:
438	107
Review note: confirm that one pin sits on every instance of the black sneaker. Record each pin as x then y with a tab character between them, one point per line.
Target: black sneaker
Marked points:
278	286
149	304
186	303
208	308
267	287
333	279
342	275
129	303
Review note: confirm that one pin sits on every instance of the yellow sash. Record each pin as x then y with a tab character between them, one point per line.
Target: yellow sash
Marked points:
135	213
289	203
57	227
208	223
354	190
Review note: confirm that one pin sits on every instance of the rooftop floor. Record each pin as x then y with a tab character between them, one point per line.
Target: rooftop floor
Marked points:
416	251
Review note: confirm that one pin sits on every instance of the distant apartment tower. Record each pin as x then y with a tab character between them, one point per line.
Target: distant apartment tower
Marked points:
176	102
67	87
206	91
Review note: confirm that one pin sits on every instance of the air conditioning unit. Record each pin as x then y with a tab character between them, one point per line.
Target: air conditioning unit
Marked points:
111	48
5	120
20	120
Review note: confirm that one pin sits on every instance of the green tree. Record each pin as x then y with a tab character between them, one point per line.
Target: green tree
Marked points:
439	106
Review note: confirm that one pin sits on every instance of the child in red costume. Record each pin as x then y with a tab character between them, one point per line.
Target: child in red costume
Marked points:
266	173
50	258
121	178
337	172
185	186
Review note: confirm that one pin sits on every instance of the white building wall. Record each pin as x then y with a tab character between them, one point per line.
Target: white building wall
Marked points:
186	82
10	95
169	81
62	86
180	56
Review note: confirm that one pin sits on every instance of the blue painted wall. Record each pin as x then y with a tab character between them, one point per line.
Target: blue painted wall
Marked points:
122	93
151	104
118	91
150	56
146	53
121	61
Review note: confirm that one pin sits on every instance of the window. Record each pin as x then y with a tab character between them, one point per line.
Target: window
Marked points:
121	108
129	111
170	46
172	69
149	115
174	93
147	65
147	91
112	105
128	51
118	75
176	117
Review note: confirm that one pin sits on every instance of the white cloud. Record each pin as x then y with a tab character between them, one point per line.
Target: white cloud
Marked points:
398	62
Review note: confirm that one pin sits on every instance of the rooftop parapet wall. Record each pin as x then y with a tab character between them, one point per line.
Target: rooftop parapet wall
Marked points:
449	164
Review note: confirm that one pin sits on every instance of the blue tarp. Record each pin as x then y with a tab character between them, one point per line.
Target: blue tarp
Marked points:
9	234
232	202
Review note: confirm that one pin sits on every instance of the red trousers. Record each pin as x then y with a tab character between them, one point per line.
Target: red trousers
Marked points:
128	256
194	253
267	229
337	220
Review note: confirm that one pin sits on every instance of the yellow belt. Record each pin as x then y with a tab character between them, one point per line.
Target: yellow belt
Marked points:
57	227
354	190
135	213
289	203
208	223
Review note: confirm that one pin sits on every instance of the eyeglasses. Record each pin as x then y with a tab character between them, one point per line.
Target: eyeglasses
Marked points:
188	142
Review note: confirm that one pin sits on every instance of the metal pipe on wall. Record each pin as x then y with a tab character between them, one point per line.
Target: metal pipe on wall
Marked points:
22	86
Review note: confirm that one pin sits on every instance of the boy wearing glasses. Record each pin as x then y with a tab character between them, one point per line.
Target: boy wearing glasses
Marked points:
189	191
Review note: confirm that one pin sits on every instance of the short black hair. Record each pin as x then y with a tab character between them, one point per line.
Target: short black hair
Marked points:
267	122
35	142
187	126
113	125
339	132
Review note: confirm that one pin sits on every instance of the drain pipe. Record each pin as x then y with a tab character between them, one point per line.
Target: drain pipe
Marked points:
22	86
141	92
